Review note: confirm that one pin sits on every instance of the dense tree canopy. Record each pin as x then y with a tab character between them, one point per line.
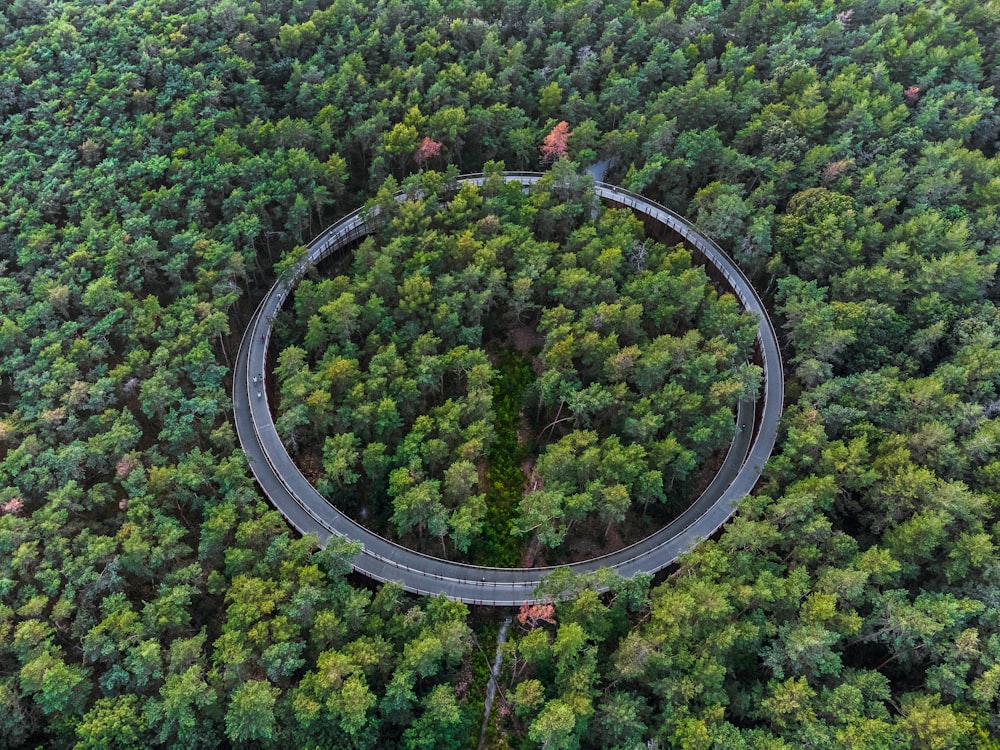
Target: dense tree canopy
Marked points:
393	381
159	157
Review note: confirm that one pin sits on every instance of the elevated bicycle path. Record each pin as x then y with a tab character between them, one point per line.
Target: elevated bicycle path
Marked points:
310	513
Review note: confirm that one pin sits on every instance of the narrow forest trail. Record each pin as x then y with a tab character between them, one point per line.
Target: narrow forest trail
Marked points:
491	685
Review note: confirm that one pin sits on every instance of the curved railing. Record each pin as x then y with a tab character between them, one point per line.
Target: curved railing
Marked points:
310	513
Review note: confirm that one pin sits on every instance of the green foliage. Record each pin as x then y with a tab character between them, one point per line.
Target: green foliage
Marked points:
650	353
251	713
504	477
162	161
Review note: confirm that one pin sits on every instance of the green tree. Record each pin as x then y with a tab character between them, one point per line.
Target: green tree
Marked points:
250	715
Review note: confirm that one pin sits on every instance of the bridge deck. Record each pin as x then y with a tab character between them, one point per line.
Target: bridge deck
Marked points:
310	513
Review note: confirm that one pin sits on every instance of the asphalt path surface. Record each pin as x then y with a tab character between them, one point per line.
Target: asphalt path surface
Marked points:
310	513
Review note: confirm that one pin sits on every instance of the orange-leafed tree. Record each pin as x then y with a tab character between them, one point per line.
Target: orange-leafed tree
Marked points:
532	614
427	150
556	143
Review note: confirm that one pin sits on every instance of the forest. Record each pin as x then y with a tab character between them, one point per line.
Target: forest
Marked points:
161	162
487	340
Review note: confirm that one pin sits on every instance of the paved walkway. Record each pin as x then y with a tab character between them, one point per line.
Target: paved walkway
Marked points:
307	511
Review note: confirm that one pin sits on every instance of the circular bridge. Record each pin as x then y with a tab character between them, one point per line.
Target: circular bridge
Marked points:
310	513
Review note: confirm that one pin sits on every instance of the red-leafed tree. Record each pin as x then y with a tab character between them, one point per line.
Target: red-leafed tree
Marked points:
427	150
531	614
556	143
